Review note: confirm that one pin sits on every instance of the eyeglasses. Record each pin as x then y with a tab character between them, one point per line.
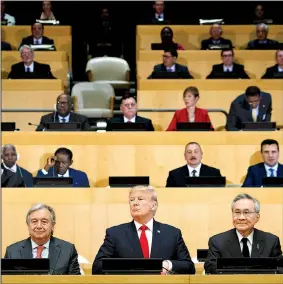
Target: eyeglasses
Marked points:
227	55
62	103
246	214
166	56
26	53
130	105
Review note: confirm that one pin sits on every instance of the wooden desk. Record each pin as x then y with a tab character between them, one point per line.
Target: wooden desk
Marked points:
200	62
83	214
191	36
213	94
100	155
58	61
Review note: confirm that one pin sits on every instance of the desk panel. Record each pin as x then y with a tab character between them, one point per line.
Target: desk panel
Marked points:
190	36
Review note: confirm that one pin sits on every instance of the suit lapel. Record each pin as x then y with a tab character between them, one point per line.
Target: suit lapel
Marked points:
26	249
258	244
261	110
233	244
156	240
197	114
133	238
72	117
262	171
54	252
280	170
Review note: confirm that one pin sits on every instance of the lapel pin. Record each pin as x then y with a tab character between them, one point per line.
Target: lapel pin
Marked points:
158	231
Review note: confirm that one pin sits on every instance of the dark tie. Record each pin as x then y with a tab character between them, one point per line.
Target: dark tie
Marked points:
28	70
271	172
63	120
245	251
227	70
129	121
39	251
37	42
144	242
194	173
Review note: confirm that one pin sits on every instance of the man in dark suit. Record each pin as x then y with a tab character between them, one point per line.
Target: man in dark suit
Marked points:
276	71
253	106
244	240
59	166
262	42
129	109
145	238
9	162
28	68
270	166
194	168
228	69
5	46
37	37
63	114
169	65
216	41
63	257
159	16
10	179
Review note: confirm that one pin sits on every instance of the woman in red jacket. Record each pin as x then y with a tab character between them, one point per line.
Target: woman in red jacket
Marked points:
190	113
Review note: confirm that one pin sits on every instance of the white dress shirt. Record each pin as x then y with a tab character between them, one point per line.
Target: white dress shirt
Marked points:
31	67
131	120
37	40
66	174
45	252
268	172
230	68
12	169
249	242
197	169
148	234
280	69
159	17
67	118
172	68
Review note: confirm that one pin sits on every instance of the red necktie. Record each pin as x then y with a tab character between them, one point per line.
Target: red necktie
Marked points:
144	242
39	251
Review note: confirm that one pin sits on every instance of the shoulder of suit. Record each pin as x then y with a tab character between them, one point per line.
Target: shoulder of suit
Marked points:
143	118
238	65
167	227
222	235
239	99
82	117
209	167
25	171
180	65
41	64
60	242
158	66
19	64
256	166
47	116
47	38
17	244
178	169
218	66
119	227
266	234
77	171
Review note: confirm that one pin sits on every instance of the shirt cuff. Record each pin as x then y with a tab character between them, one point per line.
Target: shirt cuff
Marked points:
170	265
44	172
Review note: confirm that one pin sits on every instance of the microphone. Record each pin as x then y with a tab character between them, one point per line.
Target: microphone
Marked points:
33	124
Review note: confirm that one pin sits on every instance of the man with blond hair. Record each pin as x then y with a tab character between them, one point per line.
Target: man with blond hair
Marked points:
145	238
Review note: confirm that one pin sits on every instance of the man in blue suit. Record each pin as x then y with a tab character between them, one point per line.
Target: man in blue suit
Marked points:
145	238
59	166
9	162
270	166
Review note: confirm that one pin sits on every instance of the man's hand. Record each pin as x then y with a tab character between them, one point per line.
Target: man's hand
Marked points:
50	163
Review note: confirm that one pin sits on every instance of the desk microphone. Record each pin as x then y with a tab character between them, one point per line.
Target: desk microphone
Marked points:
33	124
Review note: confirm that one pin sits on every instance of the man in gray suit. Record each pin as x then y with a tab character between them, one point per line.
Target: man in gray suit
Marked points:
244	240
62	255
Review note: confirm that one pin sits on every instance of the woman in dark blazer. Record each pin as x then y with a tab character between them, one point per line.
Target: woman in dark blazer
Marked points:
190	113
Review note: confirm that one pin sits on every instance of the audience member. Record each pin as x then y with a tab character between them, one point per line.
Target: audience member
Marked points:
159	15
6	19
216	41
167	36
193	168
28	68
259	15
270	166
5	46
9	161
129	109
276	71
169	65
59	164
47	13
190	113
253	106
63	114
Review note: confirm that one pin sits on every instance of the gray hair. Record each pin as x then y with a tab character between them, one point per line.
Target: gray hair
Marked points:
40	206
25	46
149	189
8	146
265	26
246	196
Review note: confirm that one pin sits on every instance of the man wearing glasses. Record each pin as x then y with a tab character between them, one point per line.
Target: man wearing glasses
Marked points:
28	68
244	240
253	106
62	114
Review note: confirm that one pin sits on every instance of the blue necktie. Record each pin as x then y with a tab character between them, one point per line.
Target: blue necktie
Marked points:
271	172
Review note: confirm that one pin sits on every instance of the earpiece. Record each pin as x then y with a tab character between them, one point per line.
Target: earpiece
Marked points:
18	156
55	107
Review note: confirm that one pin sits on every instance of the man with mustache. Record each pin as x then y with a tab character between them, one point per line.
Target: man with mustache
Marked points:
194	167
244	240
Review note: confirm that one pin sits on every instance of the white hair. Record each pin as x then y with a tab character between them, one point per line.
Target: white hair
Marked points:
40	206
246	196
265	26
8	146
27	47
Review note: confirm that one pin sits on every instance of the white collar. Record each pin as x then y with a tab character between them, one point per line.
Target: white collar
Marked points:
197	168
37	39
230	68
173	67
249	237
66	174
131	120
280	69
149	224
67	118
12	169
35	245
31	67
275	167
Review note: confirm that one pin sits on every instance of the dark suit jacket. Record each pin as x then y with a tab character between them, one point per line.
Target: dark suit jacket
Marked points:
181	115
122	241
5	46
227	245
271	72
179	68
256	44
41	71
237	73
206	42
63	255
256	173
177	177
29	41
11	179
74	117
147	122
240	111
80	178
